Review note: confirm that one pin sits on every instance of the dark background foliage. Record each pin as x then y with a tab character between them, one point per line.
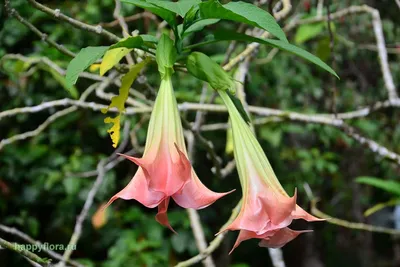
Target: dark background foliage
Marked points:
41	195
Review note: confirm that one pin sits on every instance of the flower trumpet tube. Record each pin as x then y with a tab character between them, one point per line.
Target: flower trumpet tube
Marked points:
266	208
164	170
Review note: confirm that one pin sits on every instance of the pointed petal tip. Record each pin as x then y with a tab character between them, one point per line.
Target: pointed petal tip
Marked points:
137	161
115	197
161	216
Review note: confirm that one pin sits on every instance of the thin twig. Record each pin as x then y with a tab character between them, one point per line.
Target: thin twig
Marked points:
213	244
15	247
44	37
124	27
101	170
352	225
82	216
333	57
27	238
194	217
74	22
380	39
138	16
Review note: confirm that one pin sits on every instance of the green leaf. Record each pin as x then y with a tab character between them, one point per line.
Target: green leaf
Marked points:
308	31
225	35
163	13
387	185
149	38
181	7
165	55
239	106
204	68
129	42
119	100
86	57
197	26
244	13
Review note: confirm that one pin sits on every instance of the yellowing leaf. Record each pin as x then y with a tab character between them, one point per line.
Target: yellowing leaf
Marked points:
112	57
380	206
119	100
94	67
115	130
99	218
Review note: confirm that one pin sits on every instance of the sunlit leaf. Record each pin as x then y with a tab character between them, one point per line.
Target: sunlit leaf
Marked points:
112	57
117	51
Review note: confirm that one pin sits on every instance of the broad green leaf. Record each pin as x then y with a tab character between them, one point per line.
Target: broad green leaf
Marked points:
197	26
86	57
224	35
112	57
119	100
244	13
165	55
205	69
165	14
129	42
181	7
308	31
390	186
149	38
380	206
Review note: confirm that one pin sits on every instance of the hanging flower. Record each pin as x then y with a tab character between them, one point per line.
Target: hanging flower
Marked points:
164	170
266	208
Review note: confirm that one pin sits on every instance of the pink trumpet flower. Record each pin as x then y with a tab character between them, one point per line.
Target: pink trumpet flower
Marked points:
164	170
266	209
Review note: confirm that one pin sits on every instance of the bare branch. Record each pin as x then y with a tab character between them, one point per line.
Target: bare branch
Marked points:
138	16
27	238
213	245
44	37
56	14
90	198
124	27
25	253
380	39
